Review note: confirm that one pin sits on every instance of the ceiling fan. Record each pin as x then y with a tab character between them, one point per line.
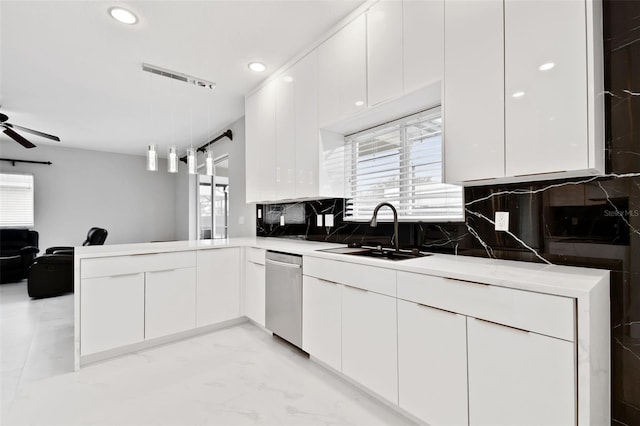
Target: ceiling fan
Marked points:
10	130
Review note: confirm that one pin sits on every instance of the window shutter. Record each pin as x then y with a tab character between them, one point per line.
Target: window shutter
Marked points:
401	163
16	200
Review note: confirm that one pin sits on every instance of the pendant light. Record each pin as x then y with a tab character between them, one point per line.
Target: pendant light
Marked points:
191	161
209	162
191	153
152	159
172	160
152	151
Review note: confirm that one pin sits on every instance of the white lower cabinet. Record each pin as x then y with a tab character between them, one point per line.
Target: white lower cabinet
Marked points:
322	320
112	312
432	364
519	378
170	302
369	341
254	292
218	289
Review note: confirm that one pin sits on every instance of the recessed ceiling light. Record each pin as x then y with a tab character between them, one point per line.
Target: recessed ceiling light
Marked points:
123	15
547	66
257	66
517	95
287	79
359	103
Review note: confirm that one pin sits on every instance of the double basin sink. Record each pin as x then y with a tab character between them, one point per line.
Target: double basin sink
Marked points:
378	253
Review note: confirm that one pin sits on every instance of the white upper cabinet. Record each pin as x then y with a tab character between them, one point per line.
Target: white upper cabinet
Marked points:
305	80
260	163
287	158
384	51
473	90
422	43
343	72
405	47
523	84
545	84
285	136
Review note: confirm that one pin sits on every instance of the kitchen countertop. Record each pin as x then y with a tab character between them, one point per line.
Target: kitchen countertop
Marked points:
551	279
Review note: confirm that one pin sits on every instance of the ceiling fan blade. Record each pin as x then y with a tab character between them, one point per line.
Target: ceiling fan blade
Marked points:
33	132
16	137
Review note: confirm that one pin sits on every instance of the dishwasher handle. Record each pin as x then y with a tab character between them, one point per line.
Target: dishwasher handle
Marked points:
283	264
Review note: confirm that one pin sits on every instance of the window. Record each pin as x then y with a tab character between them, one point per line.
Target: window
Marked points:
400	163
16	199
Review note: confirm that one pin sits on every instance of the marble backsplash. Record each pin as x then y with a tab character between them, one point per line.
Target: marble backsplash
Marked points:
592	222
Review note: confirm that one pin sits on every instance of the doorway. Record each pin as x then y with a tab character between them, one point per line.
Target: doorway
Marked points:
213	201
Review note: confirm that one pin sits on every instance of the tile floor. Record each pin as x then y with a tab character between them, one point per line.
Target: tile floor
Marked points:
236	376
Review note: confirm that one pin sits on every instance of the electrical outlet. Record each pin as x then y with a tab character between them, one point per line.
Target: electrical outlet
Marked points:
502	221
240	220
319	221
282	220
328	220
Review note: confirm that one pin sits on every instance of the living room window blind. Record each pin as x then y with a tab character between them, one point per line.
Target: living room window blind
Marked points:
401	163
16	199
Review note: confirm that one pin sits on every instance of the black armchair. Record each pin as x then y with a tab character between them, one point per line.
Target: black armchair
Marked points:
52	273
18	248
95	237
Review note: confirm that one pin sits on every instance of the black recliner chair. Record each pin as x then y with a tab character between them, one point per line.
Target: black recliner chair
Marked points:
18	249
52	273
95	237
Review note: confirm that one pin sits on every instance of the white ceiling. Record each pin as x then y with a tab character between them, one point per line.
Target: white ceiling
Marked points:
69	69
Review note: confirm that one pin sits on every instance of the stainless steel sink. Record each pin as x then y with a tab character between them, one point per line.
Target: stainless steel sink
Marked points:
378	253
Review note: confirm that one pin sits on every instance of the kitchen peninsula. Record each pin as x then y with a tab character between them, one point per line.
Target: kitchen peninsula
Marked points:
442	338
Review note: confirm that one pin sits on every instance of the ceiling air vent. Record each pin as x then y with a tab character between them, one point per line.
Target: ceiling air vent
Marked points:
178	76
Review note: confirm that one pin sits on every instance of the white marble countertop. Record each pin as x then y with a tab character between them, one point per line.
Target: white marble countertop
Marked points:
551	279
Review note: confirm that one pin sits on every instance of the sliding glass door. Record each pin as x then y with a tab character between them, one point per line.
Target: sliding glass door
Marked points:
213	196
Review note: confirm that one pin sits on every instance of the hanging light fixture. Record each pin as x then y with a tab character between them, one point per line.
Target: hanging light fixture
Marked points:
172	160
191	161
152	159
209	162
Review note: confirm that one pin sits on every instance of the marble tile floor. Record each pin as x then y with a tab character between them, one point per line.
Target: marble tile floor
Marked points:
236	376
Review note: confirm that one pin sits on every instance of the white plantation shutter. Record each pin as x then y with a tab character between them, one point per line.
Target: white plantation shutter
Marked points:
16	199
400	163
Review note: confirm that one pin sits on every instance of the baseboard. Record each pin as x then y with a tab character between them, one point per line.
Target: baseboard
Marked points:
158	341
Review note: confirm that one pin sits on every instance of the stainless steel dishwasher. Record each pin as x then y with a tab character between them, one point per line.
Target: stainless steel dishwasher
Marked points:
284	296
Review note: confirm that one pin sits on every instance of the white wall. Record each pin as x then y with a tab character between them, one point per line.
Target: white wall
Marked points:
239	211
90	188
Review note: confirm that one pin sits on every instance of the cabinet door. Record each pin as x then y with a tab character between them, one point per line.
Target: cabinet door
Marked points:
254	296
517	377
322	321
423	43
305	75
432	364
384	51
170	302
473	90
546	86
285	136
111	312
261	145
218	289
343	73
369	341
